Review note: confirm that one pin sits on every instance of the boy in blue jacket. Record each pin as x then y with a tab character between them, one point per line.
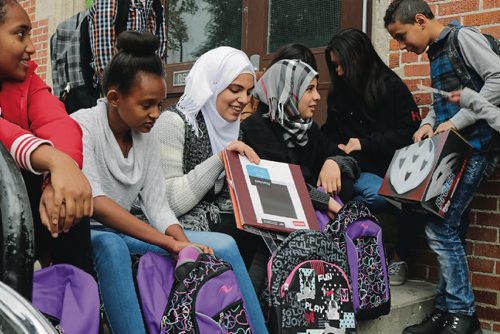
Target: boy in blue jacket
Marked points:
412	24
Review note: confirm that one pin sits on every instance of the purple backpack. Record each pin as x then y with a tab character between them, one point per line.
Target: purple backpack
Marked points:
199	294
357	233
68	297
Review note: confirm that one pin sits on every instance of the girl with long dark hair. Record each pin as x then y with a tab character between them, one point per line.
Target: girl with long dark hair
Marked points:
371	114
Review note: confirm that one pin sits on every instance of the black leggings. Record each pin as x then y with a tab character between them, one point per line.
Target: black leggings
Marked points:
72	247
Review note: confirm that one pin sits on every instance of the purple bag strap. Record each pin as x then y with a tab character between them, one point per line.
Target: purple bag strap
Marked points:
69	295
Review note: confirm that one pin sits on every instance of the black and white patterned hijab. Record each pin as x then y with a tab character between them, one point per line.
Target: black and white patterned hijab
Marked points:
281	88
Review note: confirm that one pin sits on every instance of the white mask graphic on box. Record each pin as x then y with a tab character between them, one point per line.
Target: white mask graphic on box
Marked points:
412	165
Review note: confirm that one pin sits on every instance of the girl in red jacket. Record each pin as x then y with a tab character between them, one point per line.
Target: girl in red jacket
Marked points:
43	140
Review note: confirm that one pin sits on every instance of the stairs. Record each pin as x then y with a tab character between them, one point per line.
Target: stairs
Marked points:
410	303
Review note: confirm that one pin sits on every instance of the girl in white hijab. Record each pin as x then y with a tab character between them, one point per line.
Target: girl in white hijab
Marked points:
192	136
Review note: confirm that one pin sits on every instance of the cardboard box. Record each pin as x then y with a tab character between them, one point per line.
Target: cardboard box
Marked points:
427	173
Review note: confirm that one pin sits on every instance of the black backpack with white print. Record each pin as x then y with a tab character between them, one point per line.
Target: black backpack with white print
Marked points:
308	287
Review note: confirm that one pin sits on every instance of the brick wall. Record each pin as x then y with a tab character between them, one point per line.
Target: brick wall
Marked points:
39	36
483	246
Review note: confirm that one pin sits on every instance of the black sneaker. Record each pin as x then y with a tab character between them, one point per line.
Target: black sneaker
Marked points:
461	324
432	324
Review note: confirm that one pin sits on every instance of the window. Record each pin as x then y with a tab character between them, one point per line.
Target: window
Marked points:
196	26
311	22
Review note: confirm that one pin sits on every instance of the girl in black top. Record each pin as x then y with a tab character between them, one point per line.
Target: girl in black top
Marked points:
371	112
282	130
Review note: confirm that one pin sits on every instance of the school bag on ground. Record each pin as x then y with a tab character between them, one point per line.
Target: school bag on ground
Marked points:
355	231
199	294
68	297
308	287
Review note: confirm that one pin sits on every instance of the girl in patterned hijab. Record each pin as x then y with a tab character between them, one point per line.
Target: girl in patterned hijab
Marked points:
281	88
282	129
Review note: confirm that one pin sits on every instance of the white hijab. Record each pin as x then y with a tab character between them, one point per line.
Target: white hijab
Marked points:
211	74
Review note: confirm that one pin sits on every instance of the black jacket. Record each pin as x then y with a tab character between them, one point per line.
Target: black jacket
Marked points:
396	120
266	138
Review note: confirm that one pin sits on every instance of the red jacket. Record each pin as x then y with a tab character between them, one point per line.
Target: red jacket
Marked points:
30	116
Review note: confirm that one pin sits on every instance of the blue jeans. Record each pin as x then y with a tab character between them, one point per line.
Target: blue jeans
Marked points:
454	292
366	190
111	254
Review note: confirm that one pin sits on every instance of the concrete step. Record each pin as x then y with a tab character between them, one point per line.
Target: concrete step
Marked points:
410	303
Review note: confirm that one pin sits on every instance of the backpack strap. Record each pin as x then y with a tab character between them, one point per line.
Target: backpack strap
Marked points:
122	8
457	61
159	15
464	72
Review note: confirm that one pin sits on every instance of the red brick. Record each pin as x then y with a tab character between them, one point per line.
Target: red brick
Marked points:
409	57
483	18
487	250
496	174
482	234
491	282
491	4
496	327
394	59
486	297
481	265
485	325
498	267
447	20
393	44
422	98
487	219
494	30
490	188
417	70
484	203
424	111
412	84
456	7
488	313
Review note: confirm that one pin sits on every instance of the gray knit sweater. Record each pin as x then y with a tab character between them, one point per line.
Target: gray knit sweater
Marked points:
124	179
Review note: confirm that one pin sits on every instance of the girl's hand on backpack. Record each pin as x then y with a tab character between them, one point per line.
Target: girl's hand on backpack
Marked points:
443	127
243	149
329	177
178	245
